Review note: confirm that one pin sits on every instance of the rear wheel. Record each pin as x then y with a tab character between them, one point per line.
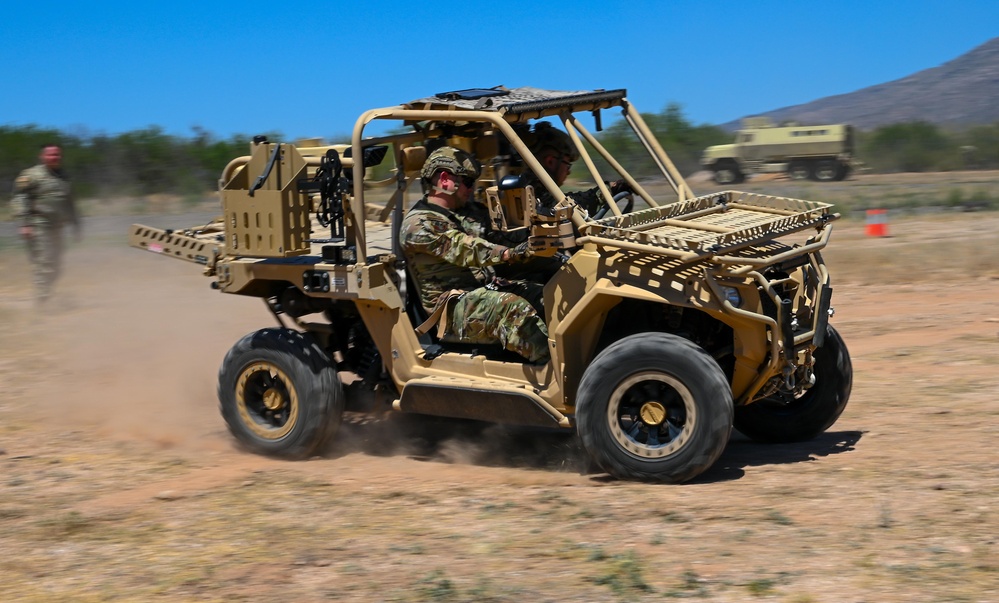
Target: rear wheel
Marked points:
654	406
826	170
280	394
805	416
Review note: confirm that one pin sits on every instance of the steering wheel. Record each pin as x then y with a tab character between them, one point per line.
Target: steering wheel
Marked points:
600	213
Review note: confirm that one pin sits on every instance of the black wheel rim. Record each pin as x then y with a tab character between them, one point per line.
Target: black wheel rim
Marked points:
651	415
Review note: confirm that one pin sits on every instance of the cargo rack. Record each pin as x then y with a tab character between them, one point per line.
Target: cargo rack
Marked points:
711	227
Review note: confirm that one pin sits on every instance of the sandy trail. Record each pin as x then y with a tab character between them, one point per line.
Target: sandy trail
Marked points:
111	442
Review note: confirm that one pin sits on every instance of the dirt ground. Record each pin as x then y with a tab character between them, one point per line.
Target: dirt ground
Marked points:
119	481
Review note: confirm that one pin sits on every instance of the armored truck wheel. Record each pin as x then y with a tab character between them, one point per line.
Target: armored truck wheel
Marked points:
809	414
279	393
727	172
799	170
656	407
827	170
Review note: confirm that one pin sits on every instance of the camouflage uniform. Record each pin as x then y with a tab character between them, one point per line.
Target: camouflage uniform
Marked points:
43	201
475	220
544	138
443	254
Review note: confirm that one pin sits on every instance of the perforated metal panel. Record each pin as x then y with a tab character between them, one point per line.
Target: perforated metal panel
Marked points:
264	213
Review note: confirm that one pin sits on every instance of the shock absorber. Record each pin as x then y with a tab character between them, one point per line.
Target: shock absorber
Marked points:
787	331
369	361
787	339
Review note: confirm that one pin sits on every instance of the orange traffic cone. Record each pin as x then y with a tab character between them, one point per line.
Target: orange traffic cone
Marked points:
877	223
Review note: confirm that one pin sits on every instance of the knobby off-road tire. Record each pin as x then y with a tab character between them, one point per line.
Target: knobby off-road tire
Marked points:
811	413
280	394
655	407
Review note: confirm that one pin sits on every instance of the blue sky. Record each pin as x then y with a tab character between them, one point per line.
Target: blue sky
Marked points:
310	68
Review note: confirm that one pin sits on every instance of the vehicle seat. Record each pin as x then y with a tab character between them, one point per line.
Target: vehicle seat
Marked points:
417	315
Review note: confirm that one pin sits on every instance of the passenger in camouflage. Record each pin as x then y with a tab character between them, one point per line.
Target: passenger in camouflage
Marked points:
555	151
443	255
43	204
475	219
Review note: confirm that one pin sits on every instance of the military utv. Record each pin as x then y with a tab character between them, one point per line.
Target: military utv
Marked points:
672	318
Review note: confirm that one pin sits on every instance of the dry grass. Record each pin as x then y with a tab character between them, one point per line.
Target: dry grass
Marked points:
941	247
911	193
118	481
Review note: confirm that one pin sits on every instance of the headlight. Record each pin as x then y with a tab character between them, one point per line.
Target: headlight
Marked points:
732	296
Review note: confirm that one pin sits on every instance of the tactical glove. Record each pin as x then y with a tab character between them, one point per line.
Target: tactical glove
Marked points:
619	186
522	252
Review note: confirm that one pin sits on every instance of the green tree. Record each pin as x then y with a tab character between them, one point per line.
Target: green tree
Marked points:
19	149
682	141
149	161
910	147
980	147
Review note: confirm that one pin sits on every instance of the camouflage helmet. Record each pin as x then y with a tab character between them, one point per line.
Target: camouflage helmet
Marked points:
452	160
545	136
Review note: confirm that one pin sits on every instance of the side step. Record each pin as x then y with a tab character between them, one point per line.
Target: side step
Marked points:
492	401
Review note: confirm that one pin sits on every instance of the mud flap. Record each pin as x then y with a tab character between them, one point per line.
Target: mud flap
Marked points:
822	320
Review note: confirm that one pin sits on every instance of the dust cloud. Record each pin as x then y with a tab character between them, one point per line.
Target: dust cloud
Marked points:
129	350
128	347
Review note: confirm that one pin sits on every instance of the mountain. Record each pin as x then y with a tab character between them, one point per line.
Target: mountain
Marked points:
961	92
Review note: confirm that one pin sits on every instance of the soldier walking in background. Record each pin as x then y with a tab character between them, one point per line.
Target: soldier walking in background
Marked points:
42	204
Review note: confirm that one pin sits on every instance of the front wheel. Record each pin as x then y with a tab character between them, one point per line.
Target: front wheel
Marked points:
727	172
654	406
795	419
280	394
799	170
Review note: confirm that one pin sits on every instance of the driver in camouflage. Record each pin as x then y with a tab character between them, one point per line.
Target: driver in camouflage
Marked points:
555	151
452	265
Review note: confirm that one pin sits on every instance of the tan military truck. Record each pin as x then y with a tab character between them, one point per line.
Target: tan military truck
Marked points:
668	325
823	153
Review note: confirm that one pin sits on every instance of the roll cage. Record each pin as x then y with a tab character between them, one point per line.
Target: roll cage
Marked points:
501	115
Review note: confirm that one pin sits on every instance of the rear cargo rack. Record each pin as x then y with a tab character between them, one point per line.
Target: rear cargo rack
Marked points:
201	245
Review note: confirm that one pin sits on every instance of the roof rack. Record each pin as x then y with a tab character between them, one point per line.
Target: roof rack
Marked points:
521	100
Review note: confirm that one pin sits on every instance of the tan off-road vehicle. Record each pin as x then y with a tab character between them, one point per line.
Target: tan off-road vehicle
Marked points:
672	319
